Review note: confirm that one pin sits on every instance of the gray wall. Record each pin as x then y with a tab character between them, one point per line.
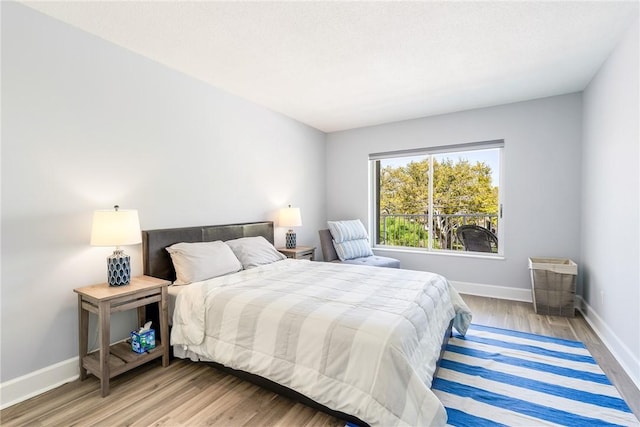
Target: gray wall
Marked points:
610	206
86	125
541	192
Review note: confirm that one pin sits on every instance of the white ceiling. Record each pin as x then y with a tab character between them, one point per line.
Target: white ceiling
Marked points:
344	64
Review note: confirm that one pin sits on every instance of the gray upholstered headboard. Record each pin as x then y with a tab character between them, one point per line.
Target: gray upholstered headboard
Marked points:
156	260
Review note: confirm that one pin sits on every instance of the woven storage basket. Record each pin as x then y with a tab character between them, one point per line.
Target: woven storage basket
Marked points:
553	284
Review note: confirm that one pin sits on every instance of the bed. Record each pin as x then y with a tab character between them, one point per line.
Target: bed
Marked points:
361	343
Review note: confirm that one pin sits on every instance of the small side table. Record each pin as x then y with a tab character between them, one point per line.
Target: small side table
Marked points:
102	299
299	252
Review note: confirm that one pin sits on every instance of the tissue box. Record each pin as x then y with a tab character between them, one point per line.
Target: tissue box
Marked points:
141	342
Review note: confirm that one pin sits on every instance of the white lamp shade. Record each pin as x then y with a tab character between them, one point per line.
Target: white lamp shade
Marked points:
115	228
290	217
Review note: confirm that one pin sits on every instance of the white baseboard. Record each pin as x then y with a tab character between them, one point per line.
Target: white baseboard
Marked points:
492	291
630	362
35	383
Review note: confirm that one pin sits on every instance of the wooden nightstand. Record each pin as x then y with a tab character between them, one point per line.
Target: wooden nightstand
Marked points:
102	300
299	252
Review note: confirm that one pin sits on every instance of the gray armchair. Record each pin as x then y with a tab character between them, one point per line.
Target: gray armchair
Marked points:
329	254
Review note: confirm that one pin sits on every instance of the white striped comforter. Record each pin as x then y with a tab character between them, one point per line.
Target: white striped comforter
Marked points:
361	340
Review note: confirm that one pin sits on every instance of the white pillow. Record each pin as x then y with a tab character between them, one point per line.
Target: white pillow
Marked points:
350	239
254	251
201	261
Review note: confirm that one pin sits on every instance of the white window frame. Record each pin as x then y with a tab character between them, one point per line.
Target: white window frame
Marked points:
430	151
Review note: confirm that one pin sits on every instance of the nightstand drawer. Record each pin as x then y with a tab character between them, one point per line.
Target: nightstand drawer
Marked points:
299	252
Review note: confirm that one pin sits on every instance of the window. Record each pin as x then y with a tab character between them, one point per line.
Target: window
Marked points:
423	198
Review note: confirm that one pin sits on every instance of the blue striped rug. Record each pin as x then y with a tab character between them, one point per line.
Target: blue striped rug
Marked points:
494	377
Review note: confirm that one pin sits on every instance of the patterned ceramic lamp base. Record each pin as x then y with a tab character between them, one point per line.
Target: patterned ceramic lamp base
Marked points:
118	269
290	240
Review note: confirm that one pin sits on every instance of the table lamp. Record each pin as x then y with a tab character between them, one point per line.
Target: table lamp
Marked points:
116	228
290	217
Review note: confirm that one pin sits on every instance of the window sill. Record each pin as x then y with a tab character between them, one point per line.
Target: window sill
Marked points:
459	254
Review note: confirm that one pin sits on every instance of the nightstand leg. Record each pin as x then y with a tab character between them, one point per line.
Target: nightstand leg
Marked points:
104	314
142	316
164	326
83	336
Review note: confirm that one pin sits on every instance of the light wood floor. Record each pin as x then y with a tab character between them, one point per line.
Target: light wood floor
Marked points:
194	394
